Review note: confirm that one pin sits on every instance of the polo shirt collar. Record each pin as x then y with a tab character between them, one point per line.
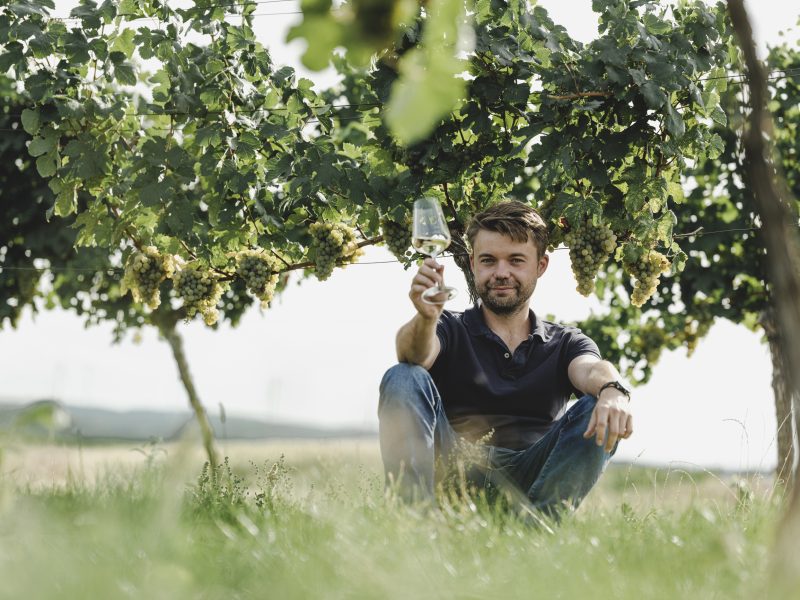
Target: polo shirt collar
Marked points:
476	324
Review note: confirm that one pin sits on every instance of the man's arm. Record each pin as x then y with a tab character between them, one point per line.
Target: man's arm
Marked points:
612	411
417	341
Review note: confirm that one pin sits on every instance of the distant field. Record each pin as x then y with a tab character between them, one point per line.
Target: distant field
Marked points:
114	522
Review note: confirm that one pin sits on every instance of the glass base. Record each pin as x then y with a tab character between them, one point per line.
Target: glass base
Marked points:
439	295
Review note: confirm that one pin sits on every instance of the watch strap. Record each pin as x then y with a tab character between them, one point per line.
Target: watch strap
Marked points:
616	385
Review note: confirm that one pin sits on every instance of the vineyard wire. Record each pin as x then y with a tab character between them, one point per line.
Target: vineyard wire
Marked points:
110	270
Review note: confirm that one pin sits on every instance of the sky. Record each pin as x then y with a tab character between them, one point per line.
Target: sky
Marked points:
317	355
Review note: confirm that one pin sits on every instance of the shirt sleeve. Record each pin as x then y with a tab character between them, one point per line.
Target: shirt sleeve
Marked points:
578	344
444	330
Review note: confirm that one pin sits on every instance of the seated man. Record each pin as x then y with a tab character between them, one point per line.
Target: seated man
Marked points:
497	370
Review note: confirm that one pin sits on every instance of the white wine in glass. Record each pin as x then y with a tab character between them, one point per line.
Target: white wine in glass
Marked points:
430	235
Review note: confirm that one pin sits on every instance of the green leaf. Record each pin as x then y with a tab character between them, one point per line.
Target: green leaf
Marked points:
655	25
428	87
674	122
716	146
46	165
66	201
43	145
675	189
665	225
679	262
124	43
30	121
322	35
654	96
125	74
719	116
151	194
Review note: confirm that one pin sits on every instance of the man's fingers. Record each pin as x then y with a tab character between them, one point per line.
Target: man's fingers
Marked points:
623	425
601	412
628	426
430	274
592	423
423	281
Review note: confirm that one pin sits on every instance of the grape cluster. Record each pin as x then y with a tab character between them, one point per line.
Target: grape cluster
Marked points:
200	290
397	236
144	272
646	271
332	244
260	272
589	248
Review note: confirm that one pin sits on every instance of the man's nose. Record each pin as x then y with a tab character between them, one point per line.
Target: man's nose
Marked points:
502	270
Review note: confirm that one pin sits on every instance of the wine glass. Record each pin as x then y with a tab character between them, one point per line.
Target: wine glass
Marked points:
430	235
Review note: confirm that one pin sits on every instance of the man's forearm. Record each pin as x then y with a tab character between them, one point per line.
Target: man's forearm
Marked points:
416	340
601	373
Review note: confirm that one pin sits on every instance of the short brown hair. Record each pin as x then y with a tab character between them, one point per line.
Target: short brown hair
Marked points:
512	218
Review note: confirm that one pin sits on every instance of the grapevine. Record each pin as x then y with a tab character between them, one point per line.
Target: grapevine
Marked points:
260	272
397	236
200	290
589	248
144	273
646	271
332	244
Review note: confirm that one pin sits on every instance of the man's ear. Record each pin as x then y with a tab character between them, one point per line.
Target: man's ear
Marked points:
472	262
543	263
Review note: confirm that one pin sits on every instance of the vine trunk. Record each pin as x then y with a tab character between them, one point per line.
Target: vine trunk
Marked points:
169	330
779	237
784	407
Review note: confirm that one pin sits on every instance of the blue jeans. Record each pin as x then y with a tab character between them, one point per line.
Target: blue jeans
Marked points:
554	473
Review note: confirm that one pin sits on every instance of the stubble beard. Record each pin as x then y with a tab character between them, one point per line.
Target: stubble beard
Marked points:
510	304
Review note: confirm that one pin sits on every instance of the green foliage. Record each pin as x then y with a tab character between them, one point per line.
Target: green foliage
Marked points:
429	87
723	275
362	27
219	152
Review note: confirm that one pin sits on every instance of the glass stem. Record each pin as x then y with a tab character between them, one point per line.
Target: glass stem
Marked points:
439	286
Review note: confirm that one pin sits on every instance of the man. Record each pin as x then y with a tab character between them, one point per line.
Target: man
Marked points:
499	371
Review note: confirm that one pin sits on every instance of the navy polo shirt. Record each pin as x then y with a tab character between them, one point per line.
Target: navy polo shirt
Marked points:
485	387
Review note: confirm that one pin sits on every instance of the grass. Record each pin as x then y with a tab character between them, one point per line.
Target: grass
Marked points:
314	526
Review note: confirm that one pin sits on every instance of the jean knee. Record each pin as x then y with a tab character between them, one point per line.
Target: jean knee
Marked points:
580	416
581	412
405	382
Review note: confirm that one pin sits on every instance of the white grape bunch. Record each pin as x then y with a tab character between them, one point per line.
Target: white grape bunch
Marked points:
589	248
260	272
200	291
332	244
397	235
145	270
646	271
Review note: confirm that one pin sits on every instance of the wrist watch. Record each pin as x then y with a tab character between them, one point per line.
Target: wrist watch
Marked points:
616	385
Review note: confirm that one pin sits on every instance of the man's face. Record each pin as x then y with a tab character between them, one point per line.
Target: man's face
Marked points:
505	271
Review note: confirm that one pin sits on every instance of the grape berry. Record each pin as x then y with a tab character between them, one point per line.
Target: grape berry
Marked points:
397	236
646	271
200	290
260	272
332	244
589	248
145	270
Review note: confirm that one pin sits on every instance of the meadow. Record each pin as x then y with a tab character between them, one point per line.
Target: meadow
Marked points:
312	520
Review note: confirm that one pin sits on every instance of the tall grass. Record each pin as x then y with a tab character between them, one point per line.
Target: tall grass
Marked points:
326	529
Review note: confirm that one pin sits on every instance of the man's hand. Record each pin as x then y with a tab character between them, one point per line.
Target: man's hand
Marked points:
611	414
429	275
